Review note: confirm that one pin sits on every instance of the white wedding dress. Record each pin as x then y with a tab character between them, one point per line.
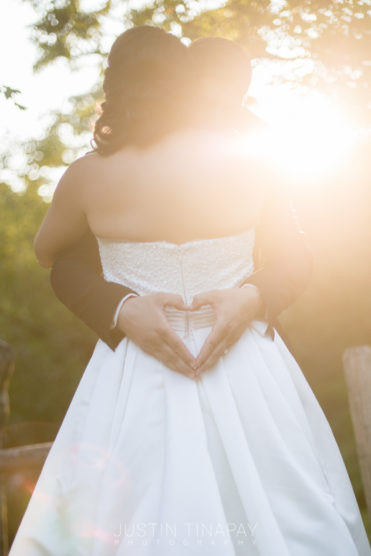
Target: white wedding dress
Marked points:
149	462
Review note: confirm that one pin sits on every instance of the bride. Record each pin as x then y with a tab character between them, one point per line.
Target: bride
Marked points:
237	459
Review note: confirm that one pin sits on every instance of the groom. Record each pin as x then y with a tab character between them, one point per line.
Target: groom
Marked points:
282	261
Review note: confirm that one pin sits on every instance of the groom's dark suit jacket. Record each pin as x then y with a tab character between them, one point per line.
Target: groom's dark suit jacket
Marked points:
282	262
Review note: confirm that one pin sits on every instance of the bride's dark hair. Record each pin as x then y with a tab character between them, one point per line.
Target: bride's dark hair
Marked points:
144	86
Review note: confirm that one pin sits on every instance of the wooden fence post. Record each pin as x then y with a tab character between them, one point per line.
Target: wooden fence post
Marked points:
357	367
6	369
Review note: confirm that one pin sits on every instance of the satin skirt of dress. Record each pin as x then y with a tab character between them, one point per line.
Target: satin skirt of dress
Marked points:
148	462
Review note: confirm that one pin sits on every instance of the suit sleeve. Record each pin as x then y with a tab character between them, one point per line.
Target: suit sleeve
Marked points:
282	256
77	281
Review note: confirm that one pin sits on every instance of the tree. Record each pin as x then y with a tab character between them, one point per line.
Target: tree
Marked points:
32	320
324	44
335	36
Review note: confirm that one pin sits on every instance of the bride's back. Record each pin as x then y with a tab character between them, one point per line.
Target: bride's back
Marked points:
192	184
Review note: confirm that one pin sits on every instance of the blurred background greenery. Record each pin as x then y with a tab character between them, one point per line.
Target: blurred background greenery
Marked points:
313	46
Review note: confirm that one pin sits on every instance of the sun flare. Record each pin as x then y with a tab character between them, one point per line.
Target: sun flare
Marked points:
309	141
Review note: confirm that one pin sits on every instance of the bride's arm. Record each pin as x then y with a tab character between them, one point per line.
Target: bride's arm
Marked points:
65	221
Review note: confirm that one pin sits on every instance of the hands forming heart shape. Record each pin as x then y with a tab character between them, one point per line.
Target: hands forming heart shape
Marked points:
143	320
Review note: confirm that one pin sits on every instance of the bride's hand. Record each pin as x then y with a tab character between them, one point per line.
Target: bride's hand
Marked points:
235	308
142	319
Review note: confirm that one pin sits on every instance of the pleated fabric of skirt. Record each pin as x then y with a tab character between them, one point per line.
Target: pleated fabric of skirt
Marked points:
148	462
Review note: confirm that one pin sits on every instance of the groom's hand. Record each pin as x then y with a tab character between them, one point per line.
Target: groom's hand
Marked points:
235	308
142	319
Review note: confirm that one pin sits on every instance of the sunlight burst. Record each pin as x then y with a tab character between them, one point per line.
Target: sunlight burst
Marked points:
310	140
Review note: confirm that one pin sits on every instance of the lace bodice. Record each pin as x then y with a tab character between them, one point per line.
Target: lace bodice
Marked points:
186	269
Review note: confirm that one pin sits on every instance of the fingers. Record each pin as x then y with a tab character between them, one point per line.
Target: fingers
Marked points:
173	300
164	353
205	298
175	343
156	337
213	340
214	357
174	353
171	360
220	339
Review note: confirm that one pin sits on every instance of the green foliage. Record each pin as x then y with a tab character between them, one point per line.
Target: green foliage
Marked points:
64	30
9	93
53	150
51	346
336	36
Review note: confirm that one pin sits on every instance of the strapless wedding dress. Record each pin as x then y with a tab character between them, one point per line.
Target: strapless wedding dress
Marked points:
149	462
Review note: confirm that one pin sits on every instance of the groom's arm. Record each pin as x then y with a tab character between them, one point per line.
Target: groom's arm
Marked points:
284	261
78	283
282	257
282	274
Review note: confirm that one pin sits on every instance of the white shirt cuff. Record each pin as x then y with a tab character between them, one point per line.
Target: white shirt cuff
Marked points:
247	285
117	312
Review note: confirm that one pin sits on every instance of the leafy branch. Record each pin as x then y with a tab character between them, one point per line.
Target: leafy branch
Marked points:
9	93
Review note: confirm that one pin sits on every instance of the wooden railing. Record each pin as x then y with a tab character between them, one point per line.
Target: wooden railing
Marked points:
357	367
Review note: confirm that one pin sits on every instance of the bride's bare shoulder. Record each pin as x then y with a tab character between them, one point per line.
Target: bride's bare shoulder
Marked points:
89	161
74	181
84	169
